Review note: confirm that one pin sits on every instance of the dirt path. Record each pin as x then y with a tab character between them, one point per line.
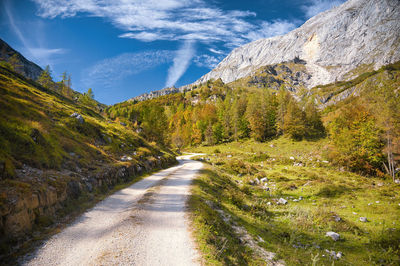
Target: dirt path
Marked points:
144	224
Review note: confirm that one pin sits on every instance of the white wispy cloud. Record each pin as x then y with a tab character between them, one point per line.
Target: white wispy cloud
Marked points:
270	29
111	70
207	61
181	62
314	7
41	55
165	20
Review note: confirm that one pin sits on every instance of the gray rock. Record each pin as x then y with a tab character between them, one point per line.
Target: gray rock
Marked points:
333	235
264	179
397	181
356	33
78	117
282	201
363	219
337	218
126	158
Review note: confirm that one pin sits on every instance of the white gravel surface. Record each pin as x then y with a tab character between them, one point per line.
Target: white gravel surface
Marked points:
144	224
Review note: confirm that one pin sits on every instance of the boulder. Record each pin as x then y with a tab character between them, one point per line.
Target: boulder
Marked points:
363	219
333	235
282	201
78	117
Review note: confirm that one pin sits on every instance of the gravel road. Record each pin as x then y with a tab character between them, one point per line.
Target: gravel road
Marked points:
144	224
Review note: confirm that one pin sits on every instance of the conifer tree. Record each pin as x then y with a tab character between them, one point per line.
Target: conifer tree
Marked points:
45	78
294	121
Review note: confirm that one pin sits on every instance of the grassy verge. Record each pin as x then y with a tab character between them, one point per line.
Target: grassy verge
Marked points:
295	231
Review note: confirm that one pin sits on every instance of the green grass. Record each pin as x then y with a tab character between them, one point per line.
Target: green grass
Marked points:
296	231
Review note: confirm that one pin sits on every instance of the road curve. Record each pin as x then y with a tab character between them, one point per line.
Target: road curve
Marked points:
144	224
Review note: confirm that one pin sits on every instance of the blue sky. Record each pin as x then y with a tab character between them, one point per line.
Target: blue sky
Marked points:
123	48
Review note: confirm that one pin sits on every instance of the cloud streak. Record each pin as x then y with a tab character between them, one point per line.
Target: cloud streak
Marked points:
111	70
40	54
181	62
315	7
152	20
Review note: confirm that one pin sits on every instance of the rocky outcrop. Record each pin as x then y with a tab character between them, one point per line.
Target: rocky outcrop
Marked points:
159	93
25	67
357	33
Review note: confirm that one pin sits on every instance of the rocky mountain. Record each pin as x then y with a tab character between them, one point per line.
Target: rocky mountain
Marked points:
25	67
339	44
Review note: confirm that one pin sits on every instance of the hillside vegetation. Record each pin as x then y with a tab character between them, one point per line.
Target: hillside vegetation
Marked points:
287	197
57	153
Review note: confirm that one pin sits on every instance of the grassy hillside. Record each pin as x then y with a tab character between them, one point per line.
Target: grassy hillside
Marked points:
321	198
52	162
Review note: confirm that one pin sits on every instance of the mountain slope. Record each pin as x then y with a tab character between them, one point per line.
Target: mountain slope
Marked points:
25	67
358	34
57	154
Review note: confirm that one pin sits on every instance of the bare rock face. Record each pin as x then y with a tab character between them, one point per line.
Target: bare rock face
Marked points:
358	33
26	68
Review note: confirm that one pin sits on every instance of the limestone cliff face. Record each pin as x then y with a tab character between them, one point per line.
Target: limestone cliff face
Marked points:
358	34
27	68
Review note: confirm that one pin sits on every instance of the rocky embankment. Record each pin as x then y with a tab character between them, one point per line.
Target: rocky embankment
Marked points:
40	198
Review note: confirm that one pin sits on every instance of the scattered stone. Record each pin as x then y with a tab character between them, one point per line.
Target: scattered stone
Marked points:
397	181
272	145
264	179
122	124
380	184
333	235
377	201
291	158
337	218
354	213
334	255
363	219
325	161
260	239
369	204
229	156
78	117
269	203
300	198
282	201
126	158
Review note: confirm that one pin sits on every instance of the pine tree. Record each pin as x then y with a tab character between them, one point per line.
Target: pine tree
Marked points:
45	78
314	125
15	63
294	121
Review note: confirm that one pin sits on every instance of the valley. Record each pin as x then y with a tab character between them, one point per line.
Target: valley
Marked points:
287	152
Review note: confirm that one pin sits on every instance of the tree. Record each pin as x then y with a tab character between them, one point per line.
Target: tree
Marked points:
261	116
314	125
45	78
355	139
283	100
294	121
66	85
15	63
88	99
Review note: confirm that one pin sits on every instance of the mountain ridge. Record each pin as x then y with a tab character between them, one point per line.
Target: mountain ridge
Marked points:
333	43
26	67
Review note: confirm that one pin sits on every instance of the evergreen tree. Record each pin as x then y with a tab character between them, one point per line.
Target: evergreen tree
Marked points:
294	121
45	78
314	126
15	63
